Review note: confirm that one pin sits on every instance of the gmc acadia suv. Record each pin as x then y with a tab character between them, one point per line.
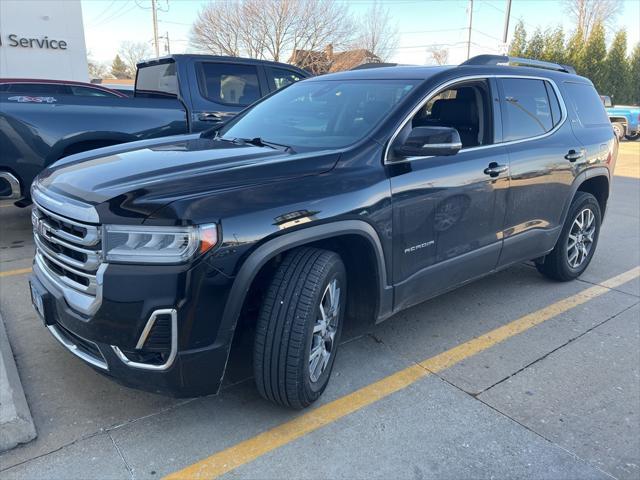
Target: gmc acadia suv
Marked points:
350	195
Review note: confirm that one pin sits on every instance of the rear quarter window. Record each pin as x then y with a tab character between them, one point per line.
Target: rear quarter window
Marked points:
587	104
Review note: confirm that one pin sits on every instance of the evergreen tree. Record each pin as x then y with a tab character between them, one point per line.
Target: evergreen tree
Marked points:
593	57
119	68
574	52
519	42
616	69
553	50
535	46
634	77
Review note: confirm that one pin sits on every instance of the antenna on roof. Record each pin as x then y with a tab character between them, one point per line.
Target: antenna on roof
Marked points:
525	62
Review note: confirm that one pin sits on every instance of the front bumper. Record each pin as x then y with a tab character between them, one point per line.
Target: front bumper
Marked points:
192	297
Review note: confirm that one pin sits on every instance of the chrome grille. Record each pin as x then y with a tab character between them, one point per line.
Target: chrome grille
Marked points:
70	254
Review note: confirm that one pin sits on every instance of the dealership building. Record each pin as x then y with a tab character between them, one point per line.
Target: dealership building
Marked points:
42	39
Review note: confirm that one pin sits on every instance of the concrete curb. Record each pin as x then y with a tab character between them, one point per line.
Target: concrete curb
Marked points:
16	424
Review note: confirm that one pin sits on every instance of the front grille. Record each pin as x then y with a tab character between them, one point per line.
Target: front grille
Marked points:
69	250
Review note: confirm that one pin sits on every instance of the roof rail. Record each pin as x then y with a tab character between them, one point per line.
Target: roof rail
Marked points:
365	66
525	62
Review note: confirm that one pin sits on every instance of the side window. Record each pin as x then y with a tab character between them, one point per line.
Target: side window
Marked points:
465	107
282	78
526	109
229	83
88	92
587	104
38	88
556	113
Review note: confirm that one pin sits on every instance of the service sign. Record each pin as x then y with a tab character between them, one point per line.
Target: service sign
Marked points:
14	40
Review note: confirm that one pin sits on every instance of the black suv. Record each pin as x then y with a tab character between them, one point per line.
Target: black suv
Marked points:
351	195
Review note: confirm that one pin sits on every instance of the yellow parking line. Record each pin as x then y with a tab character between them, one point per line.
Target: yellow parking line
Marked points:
19	271
253	448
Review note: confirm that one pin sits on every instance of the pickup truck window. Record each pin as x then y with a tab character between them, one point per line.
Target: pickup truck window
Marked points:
320	114
157	80
228	83
527	110
587	104
282	78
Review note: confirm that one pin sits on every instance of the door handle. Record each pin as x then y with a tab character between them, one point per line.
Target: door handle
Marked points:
209	117
573	155
494	169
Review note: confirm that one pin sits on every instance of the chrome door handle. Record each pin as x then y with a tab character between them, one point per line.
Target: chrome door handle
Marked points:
209	117
573	155
494	169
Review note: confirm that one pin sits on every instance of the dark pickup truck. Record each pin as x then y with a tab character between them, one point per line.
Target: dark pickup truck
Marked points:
173	95
347	196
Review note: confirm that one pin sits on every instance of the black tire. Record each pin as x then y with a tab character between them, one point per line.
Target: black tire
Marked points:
285	328
633	138
556	265
618	129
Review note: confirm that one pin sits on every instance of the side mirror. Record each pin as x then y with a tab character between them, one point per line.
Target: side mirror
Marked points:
430	141
607	101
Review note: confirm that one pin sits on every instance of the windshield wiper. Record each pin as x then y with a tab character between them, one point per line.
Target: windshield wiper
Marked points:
259	142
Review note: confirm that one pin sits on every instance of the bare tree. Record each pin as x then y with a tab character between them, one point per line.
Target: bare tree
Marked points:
378	34
96	69
439	55
270	29
131	53
588	13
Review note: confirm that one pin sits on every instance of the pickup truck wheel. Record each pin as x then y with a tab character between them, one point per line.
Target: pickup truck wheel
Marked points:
618	129
577	243
299	327
633	137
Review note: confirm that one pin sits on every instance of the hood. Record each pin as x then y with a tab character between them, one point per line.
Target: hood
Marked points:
133	181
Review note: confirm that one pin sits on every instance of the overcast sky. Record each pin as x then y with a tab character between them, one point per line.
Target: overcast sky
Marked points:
420	22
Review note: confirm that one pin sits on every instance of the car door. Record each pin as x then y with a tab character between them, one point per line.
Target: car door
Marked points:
224	90
544	156
448	211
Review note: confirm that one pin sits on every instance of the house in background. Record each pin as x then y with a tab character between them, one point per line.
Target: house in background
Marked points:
327	61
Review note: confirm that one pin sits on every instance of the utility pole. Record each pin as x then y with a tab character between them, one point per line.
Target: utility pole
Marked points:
154	10
505	34
470	26
167	45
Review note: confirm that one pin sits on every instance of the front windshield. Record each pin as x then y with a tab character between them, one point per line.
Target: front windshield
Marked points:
320	114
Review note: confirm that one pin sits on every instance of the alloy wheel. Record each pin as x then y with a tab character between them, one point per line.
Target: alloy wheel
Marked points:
580	239
324	330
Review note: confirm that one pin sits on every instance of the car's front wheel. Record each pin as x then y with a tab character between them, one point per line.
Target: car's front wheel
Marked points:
618	129
299	327
577	243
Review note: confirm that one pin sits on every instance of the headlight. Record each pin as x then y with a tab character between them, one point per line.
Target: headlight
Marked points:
146	244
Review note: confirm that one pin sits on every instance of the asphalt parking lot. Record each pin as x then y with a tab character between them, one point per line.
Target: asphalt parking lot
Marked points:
513	376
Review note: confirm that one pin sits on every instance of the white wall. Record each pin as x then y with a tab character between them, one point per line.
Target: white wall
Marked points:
58	20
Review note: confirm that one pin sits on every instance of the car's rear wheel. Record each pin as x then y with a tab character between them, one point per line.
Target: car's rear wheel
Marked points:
618	129
578	240
299	327
633	137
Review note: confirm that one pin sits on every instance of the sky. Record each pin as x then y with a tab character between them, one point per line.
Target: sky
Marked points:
421	24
